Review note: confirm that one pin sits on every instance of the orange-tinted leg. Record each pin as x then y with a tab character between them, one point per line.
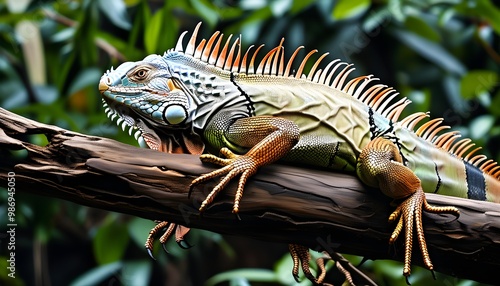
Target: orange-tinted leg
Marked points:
380	165
268	138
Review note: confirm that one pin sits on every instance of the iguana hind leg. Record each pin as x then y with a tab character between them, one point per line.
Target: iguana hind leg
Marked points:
267	138
380	165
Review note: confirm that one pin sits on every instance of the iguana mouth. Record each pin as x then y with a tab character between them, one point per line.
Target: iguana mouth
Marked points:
124	121
173	140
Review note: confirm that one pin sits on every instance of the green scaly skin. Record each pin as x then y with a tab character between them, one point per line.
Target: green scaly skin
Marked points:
200	100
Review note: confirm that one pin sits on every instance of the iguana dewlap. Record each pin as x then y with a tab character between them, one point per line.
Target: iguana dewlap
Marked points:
211	97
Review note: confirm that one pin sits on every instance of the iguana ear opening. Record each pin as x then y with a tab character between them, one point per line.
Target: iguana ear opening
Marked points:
171	85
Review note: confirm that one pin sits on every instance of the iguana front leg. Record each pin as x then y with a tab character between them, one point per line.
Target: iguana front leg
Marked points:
267	138
380	165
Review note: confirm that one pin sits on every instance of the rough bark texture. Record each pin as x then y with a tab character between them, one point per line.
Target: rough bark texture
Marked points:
316	208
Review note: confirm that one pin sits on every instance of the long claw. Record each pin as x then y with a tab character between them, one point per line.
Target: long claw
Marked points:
237	215
164	246
167	229
151	237
150	253
296	277
190	190
184	244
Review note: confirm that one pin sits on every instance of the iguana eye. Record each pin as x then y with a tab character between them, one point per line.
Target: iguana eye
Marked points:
141	73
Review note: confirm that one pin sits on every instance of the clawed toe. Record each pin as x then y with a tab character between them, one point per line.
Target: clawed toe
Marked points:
167	229
409	216
150	252
301	258
234	166
164	246
184	244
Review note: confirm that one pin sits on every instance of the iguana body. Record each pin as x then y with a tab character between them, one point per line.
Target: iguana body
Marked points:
211	97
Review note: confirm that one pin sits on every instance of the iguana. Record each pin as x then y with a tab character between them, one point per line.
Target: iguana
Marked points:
209	97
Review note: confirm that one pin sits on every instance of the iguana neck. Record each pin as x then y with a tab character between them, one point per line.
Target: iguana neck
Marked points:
211	89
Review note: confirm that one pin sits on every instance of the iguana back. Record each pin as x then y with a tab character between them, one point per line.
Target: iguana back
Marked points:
337	117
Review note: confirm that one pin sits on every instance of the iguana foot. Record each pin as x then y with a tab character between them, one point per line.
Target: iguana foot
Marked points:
233	166
168	229
409	213
380	164
301	258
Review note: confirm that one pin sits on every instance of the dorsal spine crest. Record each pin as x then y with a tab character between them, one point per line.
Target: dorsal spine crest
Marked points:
379	97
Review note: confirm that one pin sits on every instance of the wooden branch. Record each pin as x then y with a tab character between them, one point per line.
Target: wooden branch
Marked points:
316	208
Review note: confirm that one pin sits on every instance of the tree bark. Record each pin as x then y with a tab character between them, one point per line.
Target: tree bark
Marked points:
317	208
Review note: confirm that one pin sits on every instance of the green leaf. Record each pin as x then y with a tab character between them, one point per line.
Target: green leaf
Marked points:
495	105
206	10
477	81
421	99
491	12
422	28
300	6
350	8
97	275
483	9
116	11
431	51
279	8
64	35
17	95
480	126
110	243
136	273
4	264
375	19
138	229
451	87
161	32
132	2
46	94
87	77
142	16
129	51
250	274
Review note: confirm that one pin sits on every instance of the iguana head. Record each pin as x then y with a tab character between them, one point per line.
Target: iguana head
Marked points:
146	99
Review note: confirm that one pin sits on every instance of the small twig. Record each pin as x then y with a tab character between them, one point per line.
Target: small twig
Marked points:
347	266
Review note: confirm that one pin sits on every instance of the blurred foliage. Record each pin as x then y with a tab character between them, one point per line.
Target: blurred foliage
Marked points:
442	54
